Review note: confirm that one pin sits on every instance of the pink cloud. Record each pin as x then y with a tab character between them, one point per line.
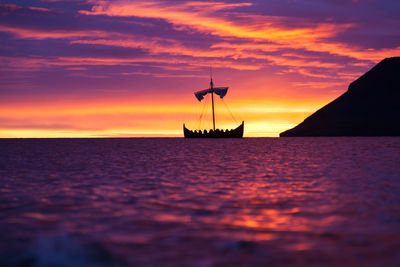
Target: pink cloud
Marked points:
217	18
39	34
13	7
246	41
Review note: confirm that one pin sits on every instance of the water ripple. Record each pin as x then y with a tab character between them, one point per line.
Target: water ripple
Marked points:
256	201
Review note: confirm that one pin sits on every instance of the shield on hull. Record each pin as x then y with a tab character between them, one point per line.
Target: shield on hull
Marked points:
234	133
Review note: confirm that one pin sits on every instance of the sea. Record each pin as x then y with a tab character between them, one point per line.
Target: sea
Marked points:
193	202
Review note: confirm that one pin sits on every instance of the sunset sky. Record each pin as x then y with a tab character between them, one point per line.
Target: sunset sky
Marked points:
91	68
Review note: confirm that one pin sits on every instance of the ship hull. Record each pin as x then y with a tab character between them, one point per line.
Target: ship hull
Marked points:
234	133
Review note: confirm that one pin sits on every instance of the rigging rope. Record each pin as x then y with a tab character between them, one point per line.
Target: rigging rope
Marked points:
202	112
230	112
205	106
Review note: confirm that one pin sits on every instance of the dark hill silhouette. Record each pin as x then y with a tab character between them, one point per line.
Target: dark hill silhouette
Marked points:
370	107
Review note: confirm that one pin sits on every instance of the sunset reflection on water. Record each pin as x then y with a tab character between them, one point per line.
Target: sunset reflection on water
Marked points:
121	202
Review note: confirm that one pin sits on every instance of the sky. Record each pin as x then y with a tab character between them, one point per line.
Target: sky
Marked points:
94	68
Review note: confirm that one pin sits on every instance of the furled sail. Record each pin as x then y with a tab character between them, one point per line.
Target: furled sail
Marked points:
221	91
200	94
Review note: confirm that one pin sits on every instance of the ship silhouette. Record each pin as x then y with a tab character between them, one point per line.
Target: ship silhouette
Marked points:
214	132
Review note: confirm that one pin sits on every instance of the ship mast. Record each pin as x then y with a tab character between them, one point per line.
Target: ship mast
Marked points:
212	98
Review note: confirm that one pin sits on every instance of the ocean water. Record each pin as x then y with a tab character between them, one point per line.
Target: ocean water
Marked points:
177	202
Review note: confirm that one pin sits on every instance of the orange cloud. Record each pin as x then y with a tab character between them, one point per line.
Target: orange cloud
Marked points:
202	17
53	34
255	39
37	63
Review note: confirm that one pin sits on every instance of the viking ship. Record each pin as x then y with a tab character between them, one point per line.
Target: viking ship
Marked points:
213	133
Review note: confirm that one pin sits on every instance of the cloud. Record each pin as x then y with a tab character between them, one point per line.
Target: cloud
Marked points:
319	85
39	34
226	24
145	57
9	8
233	37
217	18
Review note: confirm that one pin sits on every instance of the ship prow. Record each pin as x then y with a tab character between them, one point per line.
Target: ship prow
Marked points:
234	133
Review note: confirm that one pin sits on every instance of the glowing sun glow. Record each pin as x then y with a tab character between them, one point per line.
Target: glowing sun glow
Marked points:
94	68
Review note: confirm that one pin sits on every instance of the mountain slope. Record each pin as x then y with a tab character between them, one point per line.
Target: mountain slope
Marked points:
370	107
